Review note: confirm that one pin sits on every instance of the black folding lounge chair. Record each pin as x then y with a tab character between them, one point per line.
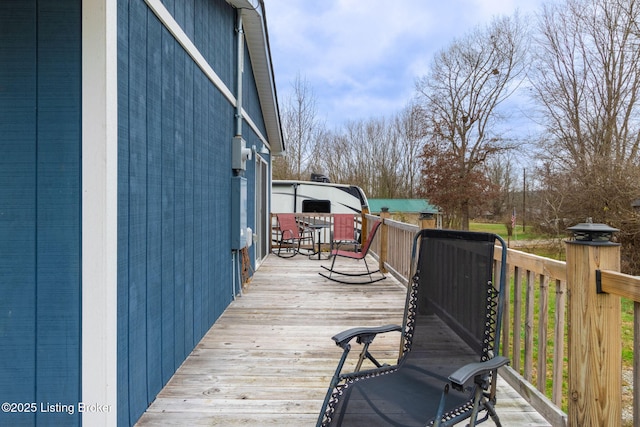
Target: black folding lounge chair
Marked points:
447	368
336	253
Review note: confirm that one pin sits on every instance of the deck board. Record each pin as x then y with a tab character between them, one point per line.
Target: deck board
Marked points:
268	360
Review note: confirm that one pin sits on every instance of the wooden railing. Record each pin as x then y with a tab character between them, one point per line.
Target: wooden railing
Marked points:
537	303
544	370
322	235
536	332
626	286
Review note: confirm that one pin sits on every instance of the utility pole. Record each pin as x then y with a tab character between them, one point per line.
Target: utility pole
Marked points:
524	196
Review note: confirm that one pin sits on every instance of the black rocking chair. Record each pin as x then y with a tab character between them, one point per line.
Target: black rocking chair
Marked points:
336	253
447	368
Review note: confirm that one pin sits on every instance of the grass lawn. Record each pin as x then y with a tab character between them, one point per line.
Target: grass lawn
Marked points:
552	251
501	230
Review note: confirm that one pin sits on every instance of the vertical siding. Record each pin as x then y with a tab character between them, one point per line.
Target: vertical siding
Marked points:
174	259
189	236
40	207
137	186
18	144
199	214
168	201
123	215
58	207
155	379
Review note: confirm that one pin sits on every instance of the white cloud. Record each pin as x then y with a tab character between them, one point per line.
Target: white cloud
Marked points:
361	58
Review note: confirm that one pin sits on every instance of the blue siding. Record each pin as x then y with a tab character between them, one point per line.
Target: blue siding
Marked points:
168	201
40	182
251	103
154	204
123	217
200	113
174	258
189	237
137	186
211	27
250	99
18	144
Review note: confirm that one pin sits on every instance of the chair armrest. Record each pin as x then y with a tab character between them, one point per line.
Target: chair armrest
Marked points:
461	376
363	335
287	231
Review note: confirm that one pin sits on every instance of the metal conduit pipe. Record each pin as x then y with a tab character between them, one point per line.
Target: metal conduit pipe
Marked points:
239	156
239	151
239	74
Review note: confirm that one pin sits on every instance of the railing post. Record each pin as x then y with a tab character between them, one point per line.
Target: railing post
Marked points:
364	226
384	239
427	220
595	344
636	362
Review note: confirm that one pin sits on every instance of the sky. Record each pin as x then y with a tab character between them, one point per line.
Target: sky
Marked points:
361	58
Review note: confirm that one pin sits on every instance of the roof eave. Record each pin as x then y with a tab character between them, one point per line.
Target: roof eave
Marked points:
257	37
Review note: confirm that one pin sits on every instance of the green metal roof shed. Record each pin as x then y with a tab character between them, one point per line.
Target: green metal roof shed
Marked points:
402	205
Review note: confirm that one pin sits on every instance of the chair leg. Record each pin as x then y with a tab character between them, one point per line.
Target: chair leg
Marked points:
341	273
334	382
494	415
476	406
333	262
282	255
371	272
443	398
280	248
367	266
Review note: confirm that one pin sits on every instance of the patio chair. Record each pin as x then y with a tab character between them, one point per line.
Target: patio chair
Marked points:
447	368
291	235
344	231
357	255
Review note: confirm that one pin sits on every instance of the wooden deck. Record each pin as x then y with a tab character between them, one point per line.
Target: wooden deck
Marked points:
268	360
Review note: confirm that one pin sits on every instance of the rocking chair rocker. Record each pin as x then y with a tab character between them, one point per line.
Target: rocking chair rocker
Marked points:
335	253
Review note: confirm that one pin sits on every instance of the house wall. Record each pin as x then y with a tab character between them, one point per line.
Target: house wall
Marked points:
67	182
251	104
175	265
40	225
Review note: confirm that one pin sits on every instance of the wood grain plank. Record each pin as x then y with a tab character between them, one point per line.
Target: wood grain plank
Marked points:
268	360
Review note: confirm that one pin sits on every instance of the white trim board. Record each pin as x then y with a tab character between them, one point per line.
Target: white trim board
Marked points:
99	210
181	37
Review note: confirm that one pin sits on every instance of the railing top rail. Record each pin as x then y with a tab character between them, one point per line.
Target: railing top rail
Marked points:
402	225
623	285
535	263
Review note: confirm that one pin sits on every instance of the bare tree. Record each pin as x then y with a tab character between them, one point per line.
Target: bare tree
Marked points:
460	96
502	177
587	81
377	154
410	134
302	129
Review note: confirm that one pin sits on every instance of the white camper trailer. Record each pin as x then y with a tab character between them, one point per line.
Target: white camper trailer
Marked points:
311	196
